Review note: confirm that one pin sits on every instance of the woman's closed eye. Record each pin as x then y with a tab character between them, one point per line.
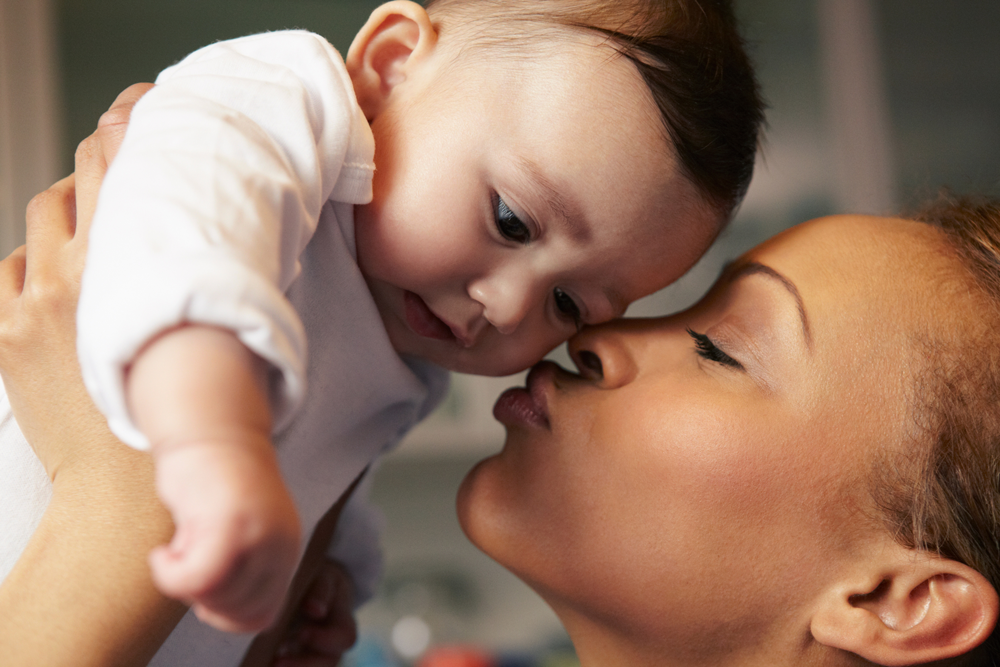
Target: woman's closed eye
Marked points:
708	350
508	224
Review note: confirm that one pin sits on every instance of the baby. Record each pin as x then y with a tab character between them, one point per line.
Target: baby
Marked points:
477	181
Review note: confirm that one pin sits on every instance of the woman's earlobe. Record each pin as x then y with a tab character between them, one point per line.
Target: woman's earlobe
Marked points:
397	38
920	609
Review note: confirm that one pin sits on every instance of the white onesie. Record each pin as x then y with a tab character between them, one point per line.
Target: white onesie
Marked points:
231	203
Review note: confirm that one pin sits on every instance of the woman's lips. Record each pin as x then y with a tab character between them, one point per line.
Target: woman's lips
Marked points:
527	405
422	321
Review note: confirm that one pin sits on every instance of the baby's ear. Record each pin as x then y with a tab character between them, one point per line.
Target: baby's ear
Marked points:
397	38
907	607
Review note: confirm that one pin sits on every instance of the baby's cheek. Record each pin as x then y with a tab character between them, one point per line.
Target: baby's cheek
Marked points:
498	354
534	345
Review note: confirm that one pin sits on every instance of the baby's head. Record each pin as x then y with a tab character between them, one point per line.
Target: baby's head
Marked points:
540	164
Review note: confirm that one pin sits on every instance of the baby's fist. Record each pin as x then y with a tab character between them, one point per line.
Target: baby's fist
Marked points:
236	545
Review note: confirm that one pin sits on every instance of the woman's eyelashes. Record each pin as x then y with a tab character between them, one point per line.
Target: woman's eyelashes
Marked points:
708	350
567	307
508	224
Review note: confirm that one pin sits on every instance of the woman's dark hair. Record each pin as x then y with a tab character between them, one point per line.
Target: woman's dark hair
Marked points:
689	53
946	499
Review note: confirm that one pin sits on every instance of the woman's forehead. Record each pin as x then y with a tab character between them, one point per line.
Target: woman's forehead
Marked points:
879	268
870	288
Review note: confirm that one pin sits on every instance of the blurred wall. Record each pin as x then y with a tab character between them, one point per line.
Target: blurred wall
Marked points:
106	45
31	147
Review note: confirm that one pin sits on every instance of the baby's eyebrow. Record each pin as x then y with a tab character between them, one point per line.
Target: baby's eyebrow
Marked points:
560	207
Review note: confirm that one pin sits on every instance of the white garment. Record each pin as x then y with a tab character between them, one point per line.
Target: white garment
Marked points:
231	203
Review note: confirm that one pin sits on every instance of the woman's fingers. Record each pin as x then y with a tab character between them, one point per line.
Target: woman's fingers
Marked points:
113	123
90	169
11	278
64	211
96	152
49	224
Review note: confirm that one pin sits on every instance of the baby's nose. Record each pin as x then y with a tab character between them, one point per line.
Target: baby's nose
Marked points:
504	305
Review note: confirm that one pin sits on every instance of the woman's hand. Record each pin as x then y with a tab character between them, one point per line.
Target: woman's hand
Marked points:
81	593
39	287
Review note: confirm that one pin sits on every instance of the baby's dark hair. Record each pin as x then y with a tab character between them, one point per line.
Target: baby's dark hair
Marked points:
689	53
945	497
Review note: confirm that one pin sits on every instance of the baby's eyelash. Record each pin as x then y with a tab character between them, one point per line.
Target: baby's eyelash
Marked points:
508	224
708	350
567	307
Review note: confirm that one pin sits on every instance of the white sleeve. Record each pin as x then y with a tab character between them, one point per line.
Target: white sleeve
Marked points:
356	542
212	198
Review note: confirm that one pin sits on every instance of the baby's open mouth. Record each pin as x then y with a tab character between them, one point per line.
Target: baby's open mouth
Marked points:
423	321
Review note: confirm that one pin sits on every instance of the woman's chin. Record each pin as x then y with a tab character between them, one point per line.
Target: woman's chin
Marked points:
488	511
474	504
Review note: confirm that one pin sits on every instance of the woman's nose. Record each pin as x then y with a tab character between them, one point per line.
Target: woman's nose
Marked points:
605	354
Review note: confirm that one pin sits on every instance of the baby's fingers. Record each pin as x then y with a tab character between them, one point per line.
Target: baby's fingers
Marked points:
231	590
331	640
197	562
328	628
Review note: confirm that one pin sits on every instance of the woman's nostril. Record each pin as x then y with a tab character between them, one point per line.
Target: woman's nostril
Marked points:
591	362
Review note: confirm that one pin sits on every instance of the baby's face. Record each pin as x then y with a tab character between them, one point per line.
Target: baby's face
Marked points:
517	199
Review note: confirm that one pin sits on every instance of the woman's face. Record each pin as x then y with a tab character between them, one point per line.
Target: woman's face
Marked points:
714	478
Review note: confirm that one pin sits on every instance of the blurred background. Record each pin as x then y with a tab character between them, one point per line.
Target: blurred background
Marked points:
874	105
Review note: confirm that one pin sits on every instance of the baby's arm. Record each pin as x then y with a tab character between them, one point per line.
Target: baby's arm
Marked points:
200	397
203	217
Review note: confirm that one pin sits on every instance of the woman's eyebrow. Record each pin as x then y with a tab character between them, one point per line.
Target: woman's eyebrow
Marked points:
733	271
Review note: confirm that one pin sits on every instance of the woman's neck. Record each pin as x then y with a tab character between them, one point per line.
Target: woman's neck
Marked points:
598	645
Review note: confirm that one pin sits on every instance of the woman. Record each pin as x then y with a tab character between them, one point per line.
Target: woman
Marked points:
800	470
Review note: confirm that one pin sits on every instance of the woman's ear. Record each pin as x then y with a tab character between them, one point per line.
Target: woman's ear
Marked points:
397	38
908	607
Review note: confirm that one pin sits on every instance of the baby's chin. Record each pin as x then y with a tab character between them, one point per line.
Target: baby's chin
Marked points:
470	363
490	363
494	355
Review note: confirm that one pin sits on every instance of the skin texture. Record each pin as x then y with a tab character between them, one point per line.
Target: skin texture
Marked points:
589	226
678	509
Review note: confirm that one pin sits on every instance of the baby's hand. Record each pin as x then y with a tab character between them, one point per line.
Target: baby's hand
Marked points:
236	543
324	626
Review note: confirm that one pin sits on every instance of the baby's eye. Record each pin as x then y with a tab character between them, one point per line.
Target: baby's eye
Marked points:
567	306
508	224
709	350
